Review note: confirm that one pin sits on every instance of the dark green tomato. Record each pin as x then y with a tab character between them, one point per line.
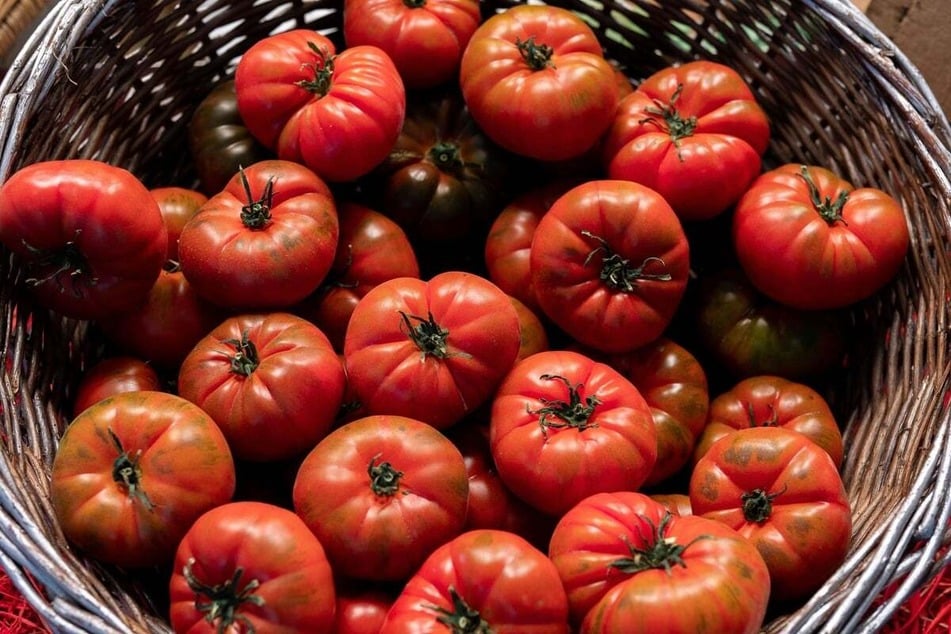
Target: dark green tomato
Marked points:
218	140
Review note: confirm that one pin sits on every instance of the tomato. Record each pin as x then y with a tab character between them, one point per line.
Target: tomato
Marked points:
361	611
676	503
250	566
113	375
563	427
271	381
694	133
218	141
89	235
609	262
784	494
482	581
809	239
133	471
431	350
629	565
536	81
266	241
772	401
337	113
424	38
533	335
381	493
371	249
178	205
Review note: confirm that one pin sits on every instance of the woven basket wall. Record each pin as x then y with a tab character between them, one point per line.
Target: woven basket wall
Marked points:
118	80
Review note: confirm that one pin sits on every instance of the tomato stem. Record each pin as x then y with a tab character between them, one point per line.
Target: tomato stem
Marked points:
537	56
772	421
65	261
617	272
830	210
758	504
323	72
428	336
446	156
659	551
414	4
462	619
224	600
257	213
384	479
245	360
666	117
126	472
573	413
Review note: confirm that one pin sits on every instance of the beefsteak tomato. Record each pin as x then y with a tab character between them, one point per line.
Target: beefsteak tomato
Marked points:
113	375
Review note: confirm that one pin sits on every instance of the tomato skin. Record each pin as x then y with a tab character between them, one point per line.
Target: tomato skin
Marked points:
784	494
89	234
178	205
251	542
113	375
256	251
563	427
180	466
381	493
822	249
340	120
692	132
512	586
272	381
532	332
361	611
609	262
595	536
550	107
433	350
425	39
676	503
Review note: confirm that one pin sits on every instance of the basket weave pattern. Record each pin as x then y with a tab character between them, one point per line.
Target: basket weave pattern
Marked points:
118	80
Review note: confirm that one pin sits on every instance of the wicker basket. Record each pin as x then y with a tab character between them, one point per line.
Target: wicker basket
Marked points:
16	18
117	80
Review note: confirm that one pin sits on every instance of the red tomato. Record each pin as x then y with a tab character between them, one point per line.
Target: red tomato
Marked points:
532	332
337	113
111	376
694	133
784	494
809	239
178	205
361	611
609	262
271	381
266	241
772	401
424	38
676	503
381	493
629	565
250	566
482	581
89	235
133	472
564	427
536	81
431	350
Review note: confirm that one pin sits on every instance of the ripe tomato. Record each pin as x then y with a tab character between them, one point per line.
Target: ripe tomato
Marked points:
536	81
784	494
250	566
89	235
629	565
266	241
809	239
113	375
482	581
178	205
360	610
431	350
271	381
132	473
609	262
533	335
424	38
371	249
563	427
772	401
676	503
337	113
692	132
381	493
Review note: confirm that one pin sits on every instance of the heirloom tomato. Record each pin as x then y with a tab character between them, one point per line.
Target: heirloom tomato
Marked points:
433	349
133	471
783	493
563	426
424	38
533	335
609	262
337	113
676	503
381	493
89	235
360	610
178	205
266	241
629	565
113	375
536	81
272	382
692	132
809	239
482	581
250	567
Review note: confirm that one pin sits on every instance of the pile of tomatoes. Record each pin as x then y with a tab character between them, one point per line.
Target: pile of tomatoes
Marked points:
462	330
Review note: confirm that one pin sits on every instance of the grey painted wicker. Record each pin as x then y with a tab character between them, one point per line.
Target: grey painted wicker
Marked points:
117	80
